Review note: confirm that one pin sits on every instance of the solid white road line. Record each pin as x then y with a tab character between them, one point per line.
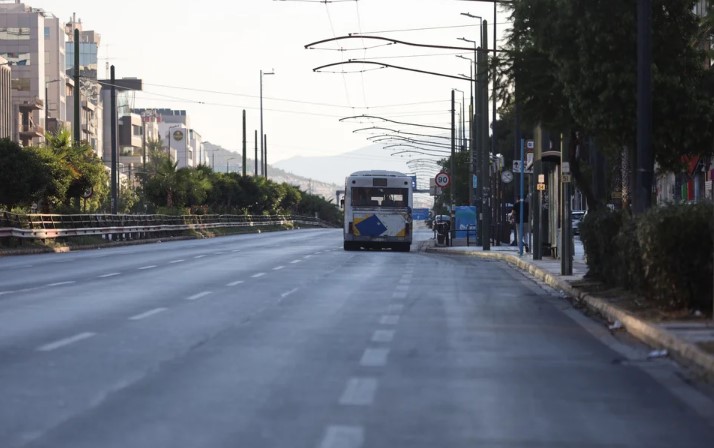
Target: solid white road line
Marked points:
111	274
63	342
359	392
259	274
199	295
237	282
389	319
383	336
176	261
277	268
62	283
374	357
152	266
147	314
339	436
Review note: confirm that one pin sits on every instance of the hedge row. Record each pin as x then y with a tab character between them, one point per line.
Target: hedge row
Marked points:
665	255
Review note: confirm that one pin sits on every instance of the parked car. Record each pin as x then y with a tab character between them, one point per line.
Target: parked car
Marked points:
576	218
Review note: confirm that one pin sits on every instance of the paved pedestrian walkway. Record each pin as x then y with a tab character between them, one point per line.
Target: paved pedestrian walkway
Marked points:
691	341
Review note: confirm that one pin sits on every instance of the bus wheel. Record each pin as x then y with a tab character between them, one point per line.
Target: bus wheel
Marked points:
403	247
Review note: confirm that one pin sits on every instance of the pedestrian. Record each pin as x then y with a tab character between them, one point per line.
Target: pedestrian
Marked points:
515	217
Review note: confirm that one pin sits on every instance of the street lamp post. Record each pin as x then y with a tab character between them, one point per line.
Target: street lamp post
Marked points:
228	160
475	196
168	137
262	146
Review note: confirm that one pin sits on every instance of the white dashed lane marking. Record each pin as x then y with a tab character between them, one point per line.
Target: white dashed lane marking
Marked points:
374	357
339	436
277	268
395	308
399	295
287	293
148	314
62	283
359	392
111	274
199	295
64	342
176	261
295	261
143	268
383	336
237	282
389	320
259	274
199	256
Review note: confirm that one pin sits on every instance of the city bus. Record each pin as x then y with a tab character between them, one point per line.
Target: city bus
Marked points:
378	210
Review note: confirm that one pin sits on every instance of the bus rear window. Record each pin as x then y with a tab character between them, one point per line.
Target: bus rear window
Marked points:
379	197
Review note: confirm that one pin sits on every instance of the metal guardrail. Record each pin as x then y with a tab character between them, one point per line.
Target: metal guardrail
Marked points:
44	226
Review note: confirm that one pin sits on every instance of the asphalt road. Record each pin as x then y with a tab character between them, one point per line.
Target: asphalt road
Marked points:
285	340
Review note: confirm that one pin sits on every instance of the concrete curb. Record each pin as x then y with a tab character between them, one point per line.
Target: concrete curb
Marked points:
648	333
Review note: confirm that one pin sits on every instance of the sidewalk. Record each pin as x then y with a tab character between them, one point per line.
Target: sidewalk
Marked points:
683	340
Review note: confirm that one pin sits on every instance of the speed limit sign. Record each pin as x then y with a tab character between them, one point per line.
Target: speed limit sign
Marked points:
442	180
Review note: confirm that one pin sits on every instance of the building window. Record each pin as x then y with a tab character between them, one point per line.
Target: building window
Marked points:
47	32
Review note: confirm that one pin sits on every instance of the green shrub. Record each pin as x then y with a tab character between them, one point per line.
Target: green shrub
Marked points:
676	244
597	232
628	268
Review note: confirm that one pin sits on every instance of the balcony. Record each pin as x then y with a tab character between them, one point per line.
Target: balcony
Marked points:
27	133
128	155
89	128
32	105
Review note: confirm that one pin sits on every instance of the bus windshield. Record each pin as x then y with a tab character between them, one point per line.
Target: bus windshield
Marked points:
379	197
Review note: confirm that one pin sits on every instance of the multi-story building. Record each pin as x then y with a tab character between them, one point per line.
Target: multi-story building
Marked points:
22	44
130	142
180	140
57	84
5	99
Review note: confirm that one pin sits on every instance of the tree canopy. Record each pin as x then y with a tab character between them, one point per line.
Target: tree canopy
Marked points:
573	65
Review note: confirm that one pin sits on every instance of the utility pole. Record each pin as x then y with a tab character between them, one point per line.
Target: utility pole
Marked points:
77	93
645	160
113	106
255	173
452	170
265	156
245	142
566	228
485	155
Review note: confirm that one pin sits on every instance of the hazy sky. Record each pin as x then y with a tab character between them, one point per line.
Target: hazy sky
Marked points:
183	49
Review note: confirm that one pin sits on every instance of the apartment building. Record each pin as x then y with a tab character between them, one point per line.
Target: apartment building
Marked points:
22	44
180	140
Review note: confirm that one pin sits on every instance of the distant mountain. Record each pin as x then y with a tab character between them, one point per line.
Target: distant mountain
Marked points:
322	176
222	160
334	169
